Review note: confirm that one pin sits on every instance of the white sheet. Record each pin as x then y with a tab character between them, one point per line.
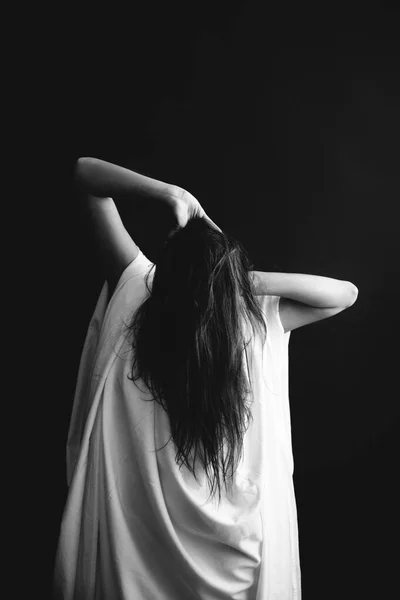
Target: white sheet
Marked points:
135	527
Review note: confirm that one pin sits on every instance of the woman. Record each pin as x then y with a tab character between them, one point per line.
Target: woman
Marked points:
179	458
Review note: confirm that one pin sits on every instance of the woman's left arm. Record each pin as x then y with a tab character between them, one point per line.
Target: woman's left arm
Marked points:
100	178
103	179
99	181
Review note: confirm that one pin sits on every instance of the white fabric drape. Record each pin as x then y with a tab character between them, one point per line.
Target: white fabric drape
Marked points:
135	527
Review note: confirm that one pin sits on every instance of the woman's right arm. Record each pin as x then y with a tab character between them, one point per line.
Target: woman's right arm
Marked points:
314	290
305	298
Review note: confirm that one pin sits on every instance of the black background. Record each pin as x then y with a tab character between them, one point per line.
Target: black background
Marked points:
285	123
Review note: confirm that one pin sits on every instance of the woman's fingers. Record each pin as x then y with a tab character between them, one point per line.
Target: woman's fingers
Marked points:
187	207
212	222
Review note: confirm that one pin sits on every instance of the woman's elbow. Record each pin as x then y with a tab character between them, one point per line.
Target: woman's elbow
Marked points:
79	172
352	293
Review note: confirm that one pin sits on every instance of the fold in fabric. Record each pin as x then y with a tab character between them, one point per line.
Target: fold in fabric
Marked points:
135	526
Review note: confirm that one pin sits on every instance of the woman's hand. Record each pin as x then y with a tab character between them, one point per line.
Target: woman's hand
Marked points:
186	206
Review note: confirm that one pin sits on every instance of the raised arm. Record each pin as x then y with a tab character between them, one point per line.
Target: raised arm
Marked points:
305	298
99	181
100	178
314	290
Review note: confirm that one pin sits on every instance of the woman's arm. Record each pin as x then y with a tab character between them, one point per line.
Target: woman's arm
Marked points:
305	299
314	290
99	181
99	178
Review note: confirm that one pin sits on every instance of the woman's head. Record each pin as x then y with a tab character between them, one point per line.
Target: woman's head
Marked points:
199	265
188	339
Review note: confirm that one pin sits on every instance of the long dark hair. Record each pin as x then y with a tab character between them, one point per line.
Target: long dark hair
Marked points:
188	342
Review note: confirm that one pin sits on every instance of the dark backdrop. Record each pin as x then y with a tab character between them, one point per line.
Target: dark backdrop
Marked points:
285	124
